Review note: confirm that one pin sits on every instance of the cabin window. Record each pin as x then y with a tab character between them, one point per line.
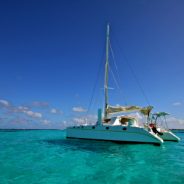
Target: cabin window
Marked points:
107	128
123	120
107	120
124	128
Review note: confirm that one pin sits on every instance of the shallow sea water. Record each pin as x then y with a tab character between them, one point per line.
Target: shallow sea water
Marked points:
47	157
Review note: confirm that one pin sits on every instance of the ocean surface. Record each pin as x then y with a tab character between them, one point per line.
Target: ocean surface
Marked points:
47	157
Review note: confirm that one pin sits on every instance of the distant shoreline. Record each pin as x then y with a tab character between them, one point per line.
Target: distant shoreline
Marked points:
59	129
178	130
16	129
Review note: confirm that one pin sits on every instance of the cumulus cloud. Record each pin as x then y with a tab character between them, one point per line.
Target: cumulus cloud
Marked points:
4	103
177	103
46	122
55	111
175	123
23	116
79	109
76	121
84	120
33	114
13	110
23	108
80	120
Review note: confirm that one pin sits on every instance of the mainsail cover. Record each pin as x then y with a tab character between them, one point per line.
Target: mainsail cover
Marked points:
118	109
146	110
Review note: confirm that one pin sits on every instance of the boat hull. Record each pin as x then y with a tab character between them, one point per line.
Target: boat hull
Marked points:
169	136
114	133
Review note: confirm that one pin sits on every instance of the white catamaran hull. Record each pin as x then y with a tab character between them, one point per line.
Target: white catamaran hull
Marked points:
169	136
114	133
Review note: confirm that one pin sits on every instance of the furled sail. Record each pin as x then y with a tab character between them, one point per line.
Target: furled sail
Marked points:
146	110
118	109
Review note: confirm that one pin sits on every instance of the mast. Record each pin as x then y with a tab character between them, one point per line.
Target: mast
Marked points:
106	72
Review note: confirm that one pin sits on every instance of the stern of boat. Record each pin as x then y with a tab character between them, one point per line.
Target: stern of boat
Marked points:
169	136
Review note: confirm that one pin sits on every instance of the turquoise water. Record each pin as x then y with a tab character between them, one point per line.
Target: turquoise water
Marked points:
46	157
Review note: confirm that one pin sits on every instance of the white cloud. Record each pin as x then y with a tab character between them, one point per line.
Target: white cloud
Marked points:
175	123
46	122
55	111
23	117
33	114
79	109
4	103
22	108
79	120
84	120
177	103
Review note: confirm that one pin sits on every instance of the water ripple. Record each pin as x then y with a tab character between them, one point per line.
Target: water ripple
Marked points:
45	157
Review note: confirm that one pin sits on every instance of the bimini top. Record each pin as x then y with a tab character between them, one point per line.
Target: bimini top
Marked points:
118	109
159	114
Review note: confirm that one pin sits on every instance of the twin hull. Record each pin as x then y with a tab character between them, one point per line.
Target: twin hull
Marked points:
114	133
169	136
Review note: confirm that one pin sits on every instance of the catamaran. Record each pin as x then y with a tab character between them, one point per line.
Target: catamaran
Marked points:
119	128
162	128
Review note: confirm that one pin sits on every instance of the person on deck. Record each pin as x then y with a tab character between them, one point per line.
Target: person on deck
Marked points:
153	127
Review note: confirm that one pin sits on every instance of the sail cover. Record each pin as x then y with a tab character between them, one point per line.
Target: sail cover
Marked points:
118	109
146	110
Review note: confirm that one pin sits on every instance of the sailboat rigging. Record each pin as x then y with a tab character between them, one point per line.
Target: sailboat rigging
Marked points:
117	128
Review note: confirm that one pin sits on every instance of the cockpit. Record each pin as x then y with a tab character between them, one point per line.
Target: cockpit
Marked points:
121	120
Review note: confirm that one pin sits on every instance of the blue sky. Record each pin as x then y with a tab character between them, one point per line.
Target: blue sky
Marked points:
51	51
